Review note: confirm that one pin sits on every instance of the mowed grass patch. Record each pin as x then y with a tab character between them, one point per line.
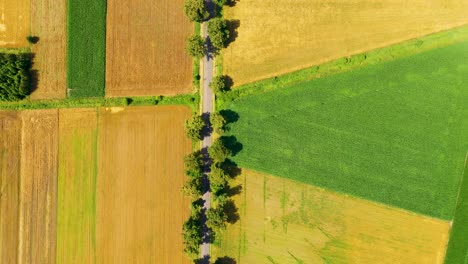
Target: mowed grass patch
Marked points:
279	36
76	213
86	47
284	221
457	251
394	132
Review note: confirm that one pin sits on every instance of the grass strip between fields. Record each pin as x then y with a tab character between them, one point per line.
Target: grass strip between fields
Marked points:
191	100
389	53
457	249
86	48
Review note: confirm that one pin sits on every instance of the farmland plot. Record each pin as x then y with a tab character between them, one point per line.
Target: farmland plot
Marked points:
283	221
48	22
76	215
38	187
280	36
145	48
14	23
10	139
140	209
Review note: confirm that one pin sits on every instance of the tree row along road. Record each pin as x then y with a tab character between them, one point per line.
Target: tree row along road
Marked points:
207	108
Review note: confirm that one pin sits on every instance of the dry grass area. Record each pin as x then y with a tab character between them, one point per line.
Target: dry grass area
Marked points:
48	22
280	36
10	138
76	226
14	23
282	221
145	48
38	187
140	209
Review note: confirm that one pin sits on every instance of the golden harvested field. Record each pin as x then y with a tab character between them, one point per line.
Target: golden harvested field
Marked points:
76	226
145	48
93	185
38	186
140	209
282	221
14	23
280	36
48	22
10	138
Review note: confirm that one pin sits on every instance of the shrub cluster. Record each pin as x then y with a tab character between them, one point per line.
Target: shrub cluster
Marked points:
15	76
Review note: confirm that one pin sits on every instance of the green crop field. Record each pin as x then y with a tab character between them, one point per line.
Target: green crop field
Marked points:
457	251
86	47
394	132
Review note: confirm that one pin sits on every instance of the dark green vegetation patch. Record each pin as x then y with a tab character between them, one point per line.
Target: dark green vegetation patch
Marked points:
395	132
86	47
15	76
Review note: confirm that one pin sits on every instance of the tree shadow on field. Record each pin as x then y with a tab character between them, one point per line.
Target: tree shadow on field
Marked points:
232	25
230	117
204	260
231	211
225	260
231	3
231	168
232	144
231	191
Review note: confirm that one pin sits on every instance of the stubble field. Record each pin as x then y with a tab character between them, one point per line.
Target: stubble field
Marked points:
95	185
48	22
14	23
276	37
145	48
283	221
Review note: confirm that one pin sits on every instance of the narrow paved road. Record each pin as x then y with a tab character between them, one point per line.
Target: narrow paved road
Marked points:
207	108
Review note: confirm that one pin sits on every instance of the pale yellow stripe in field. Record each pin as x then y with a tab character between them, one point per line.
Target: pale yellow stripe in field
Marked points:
292	220
14	23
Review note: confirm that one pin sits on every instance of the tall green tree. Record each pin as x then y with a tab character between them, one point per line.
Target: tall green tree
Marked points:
218	84
218	151
193	188
195	10
194	164
216	219
218	177
218	122
219	32
194	127
196	47
192	237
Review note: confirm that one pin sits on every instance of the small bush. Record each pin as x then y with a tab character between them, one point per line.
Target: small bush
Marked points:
32	39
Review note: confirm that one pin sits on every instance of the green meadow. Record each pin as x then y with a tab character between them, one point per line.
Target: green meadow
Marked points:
394	132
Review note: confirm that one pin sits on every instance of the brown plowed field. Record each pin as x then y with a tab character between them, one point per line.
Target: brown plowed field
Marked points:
145	48
10	138
77	186
140	209
48	22
279	36
14	23
38	188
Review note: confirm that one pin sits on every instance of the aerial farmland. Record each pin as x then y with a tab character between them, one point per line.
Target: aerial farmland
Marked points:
234	131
